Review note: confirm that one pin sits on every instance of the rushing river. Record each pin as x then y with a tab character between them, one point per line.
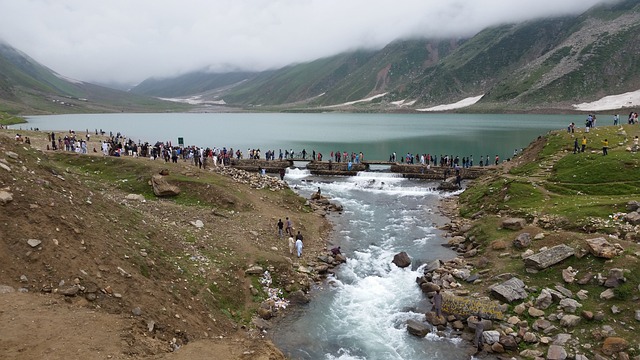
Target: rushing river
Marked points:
361	313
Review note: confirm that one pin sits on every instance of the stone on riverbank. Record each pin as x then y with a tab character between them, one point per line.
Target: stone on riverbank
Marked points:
549	257
510	290
401	260
417	328
514	223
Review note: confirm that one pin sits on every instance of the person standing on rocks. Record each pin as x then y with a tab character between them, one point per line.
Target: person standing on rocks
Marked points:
479	330
299	244
437	303
280	228
289	228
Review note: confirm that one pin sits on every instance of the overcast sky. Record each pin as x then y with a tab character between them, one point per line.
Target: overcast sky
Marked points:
127	41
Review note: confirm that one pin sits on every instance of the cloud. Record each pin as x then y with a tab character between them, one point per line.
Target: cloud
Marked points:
128	41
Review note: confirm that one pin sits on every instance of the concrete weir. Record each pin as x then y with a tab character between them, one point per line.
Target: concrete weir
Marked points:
446	174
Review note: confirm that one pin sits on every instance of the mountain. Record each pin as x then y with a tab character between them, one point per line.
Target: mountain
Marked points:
28	87
536	65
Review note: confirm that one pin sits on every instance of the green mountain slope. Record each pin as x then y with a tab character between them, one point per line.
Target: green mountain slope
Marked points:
542	64
28	87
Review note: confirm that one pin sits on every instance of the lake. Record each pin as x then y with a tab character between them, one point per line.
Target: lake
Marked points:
376	135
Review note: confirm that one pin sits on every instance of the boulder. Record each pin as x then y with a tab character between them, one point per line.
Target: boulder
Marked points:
508	342
491	336
569	275
135	197
614	345
162	188
417	328
544	300
633	218
5	197
549	257
569	321
633	205
514	223
600	247
510	290
522	241
401	260
607	294
615	278
569	305
556	352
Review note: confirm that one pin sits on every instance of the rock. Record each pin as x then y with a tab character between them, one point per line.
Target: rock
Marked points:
544	300
637	316
615	278
261	324
432	266
544	259
538	236
498	245
522	241
299	297
510	290
254	270
135	197
435	320
600	247
514	223
5	197
556	352
491	336
136	311
569	305
615	309
519	309
569	275
162	188
428	287
633	205
69	291
508	342
198	223
582	294
401	260
587	315
497	348
607	294
561	339
5	289
541	324
563	291
457	325
569	321
417	328
531	353
585	279
530	338
614	345
265	312
633	218
34	242
535	312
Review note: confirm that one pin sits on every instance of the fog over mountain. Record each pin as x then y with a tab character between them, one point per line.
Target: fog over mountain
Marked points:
122	41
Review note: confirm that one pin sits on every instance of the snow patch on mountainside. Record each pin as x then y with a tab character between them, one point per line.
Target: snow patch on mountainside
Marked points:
358	101
460	104
612	102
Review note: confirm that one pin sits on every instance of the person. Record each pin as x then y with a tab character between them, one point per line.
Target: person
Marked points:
616	119
575	146
497	159
584	143
291	245
319	191
282	172
605	146
437	303
289	227
299	244
280	227
335	251
479	330
459	180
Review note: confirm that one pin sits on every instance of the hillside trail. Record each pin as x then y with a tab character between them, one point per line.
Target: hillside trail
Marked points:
40	325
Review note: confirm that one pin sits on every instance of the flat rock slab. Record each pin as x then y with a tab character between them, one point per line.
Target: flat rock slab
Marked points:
550	257
510	290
